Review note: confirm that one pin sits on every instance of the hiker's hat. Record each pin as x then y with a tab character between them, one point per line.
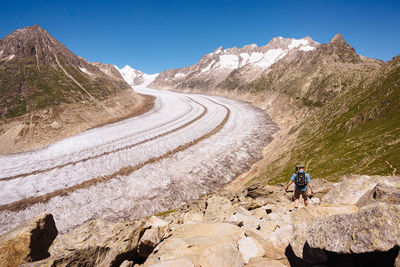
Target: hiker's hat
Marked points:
300	166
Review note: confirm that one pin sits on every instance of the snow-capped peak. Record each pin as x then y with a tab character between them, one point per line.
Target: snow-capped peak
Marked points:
136	77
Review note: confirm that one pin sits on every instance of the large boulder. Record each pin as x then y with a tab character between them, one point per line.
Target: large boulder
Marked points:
250	248
380	193
351	188
374	229
304	218
201	244
218	208
28	242
154	230
97	243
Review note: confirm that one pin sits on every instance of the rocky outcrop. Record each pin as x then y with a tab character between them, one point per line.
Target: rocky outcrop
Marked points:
29	242
303	218
203	244
97	243
371	235
224	230
380	193
352	188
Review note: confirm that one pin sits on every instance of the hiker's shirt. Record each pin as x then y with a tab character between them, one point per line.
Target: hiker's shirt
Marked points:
301	188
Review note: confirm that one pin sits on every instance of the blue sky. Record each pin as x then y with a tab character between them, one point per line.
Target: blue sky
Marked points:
156	35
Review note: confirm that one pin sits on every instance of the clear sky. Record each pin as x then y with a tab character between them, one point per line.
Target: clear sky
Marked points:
156	35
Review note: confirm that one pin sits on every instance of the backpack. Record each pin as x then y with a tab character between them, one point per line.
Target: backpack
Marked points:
301	179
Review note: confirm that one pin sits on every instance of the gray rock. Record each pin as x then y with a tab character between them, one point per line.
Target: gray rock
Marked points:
97	243
250	248
352	188
374	228
28	242
218	208
154	230
380	193
304	218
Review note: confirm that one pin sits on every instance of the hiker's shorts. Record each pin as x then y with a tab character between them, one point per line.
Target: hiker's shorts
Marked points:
304	194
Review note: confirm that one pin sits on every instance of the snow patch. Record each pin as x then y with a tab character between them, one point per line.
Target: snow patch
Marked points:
136	77
208	67
228	62
306	48
254	57
295	43
10	57
271	57
179	75
86	71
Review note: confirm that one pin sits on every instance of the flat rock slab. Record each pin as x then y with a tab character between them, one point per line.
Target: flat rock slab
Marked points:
201	244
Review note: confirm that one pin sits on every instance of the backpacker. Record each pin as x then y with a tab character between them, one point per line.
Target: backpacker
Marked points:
301	179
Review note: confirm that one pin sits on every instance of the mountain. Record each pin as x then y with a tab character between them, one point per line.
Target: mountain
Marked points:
356	132
37	71
250	61
48	93
136	77
338	111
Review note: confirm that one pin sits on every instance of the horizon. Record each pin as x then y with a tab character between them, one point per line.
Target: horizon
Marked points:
155	36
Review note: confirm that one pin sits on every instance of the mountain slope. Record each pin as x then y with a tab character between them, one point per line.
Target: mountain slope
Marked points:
37	71
356	132
48	93
213	68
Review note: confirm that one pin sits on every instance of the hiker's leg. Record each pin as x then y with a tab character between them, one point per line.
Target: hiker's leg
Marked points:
305	197
296	198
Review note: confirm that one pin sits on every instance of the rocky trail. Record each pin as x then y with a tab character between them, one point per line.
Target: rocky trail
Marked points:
257	226
136	167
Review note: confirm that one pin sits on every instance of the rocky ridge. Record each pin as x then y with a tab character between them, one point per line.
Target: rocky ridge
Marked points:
253	227
215	67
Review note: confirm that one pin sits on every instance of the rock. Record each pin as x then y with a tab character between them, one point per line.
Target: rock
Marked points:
28	242
380	193
268	226
375	228
241	210
351	188
274	216
250	204
181	262
250	248
154	230
218	208
315	201
260	213
221	255
275	243
397	261
305	217
127	264
193	217
263	262
97	243
201	244
246	221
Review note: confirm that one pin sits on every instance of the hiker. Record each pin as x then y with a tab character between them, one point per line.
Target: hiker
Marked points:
301	180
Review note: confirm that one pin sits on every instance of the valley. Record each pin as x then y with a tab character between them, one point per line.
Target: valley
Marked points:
186	146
